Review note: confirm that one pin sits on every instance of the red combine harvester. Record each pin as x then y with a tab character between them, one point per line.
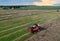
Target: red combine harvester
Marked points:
35	28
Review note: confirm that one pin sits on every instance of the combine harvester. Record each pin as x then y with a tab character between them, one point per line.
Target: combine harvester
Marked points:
35	28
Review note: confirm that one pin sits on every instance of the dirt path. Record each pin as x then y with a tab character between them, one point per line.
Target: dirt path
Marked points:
50	34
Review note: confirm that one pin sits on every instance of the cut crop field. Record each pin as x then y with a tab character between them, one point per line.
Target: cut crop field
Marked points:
16	29
7	14
51	33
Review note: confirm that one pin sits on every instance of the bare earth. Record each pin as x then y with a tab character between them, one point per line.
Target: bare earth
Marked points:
52	33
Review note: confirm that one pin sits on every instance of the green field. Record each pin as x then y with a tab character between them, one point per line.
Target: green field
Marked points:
39	8
17	29
32	7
